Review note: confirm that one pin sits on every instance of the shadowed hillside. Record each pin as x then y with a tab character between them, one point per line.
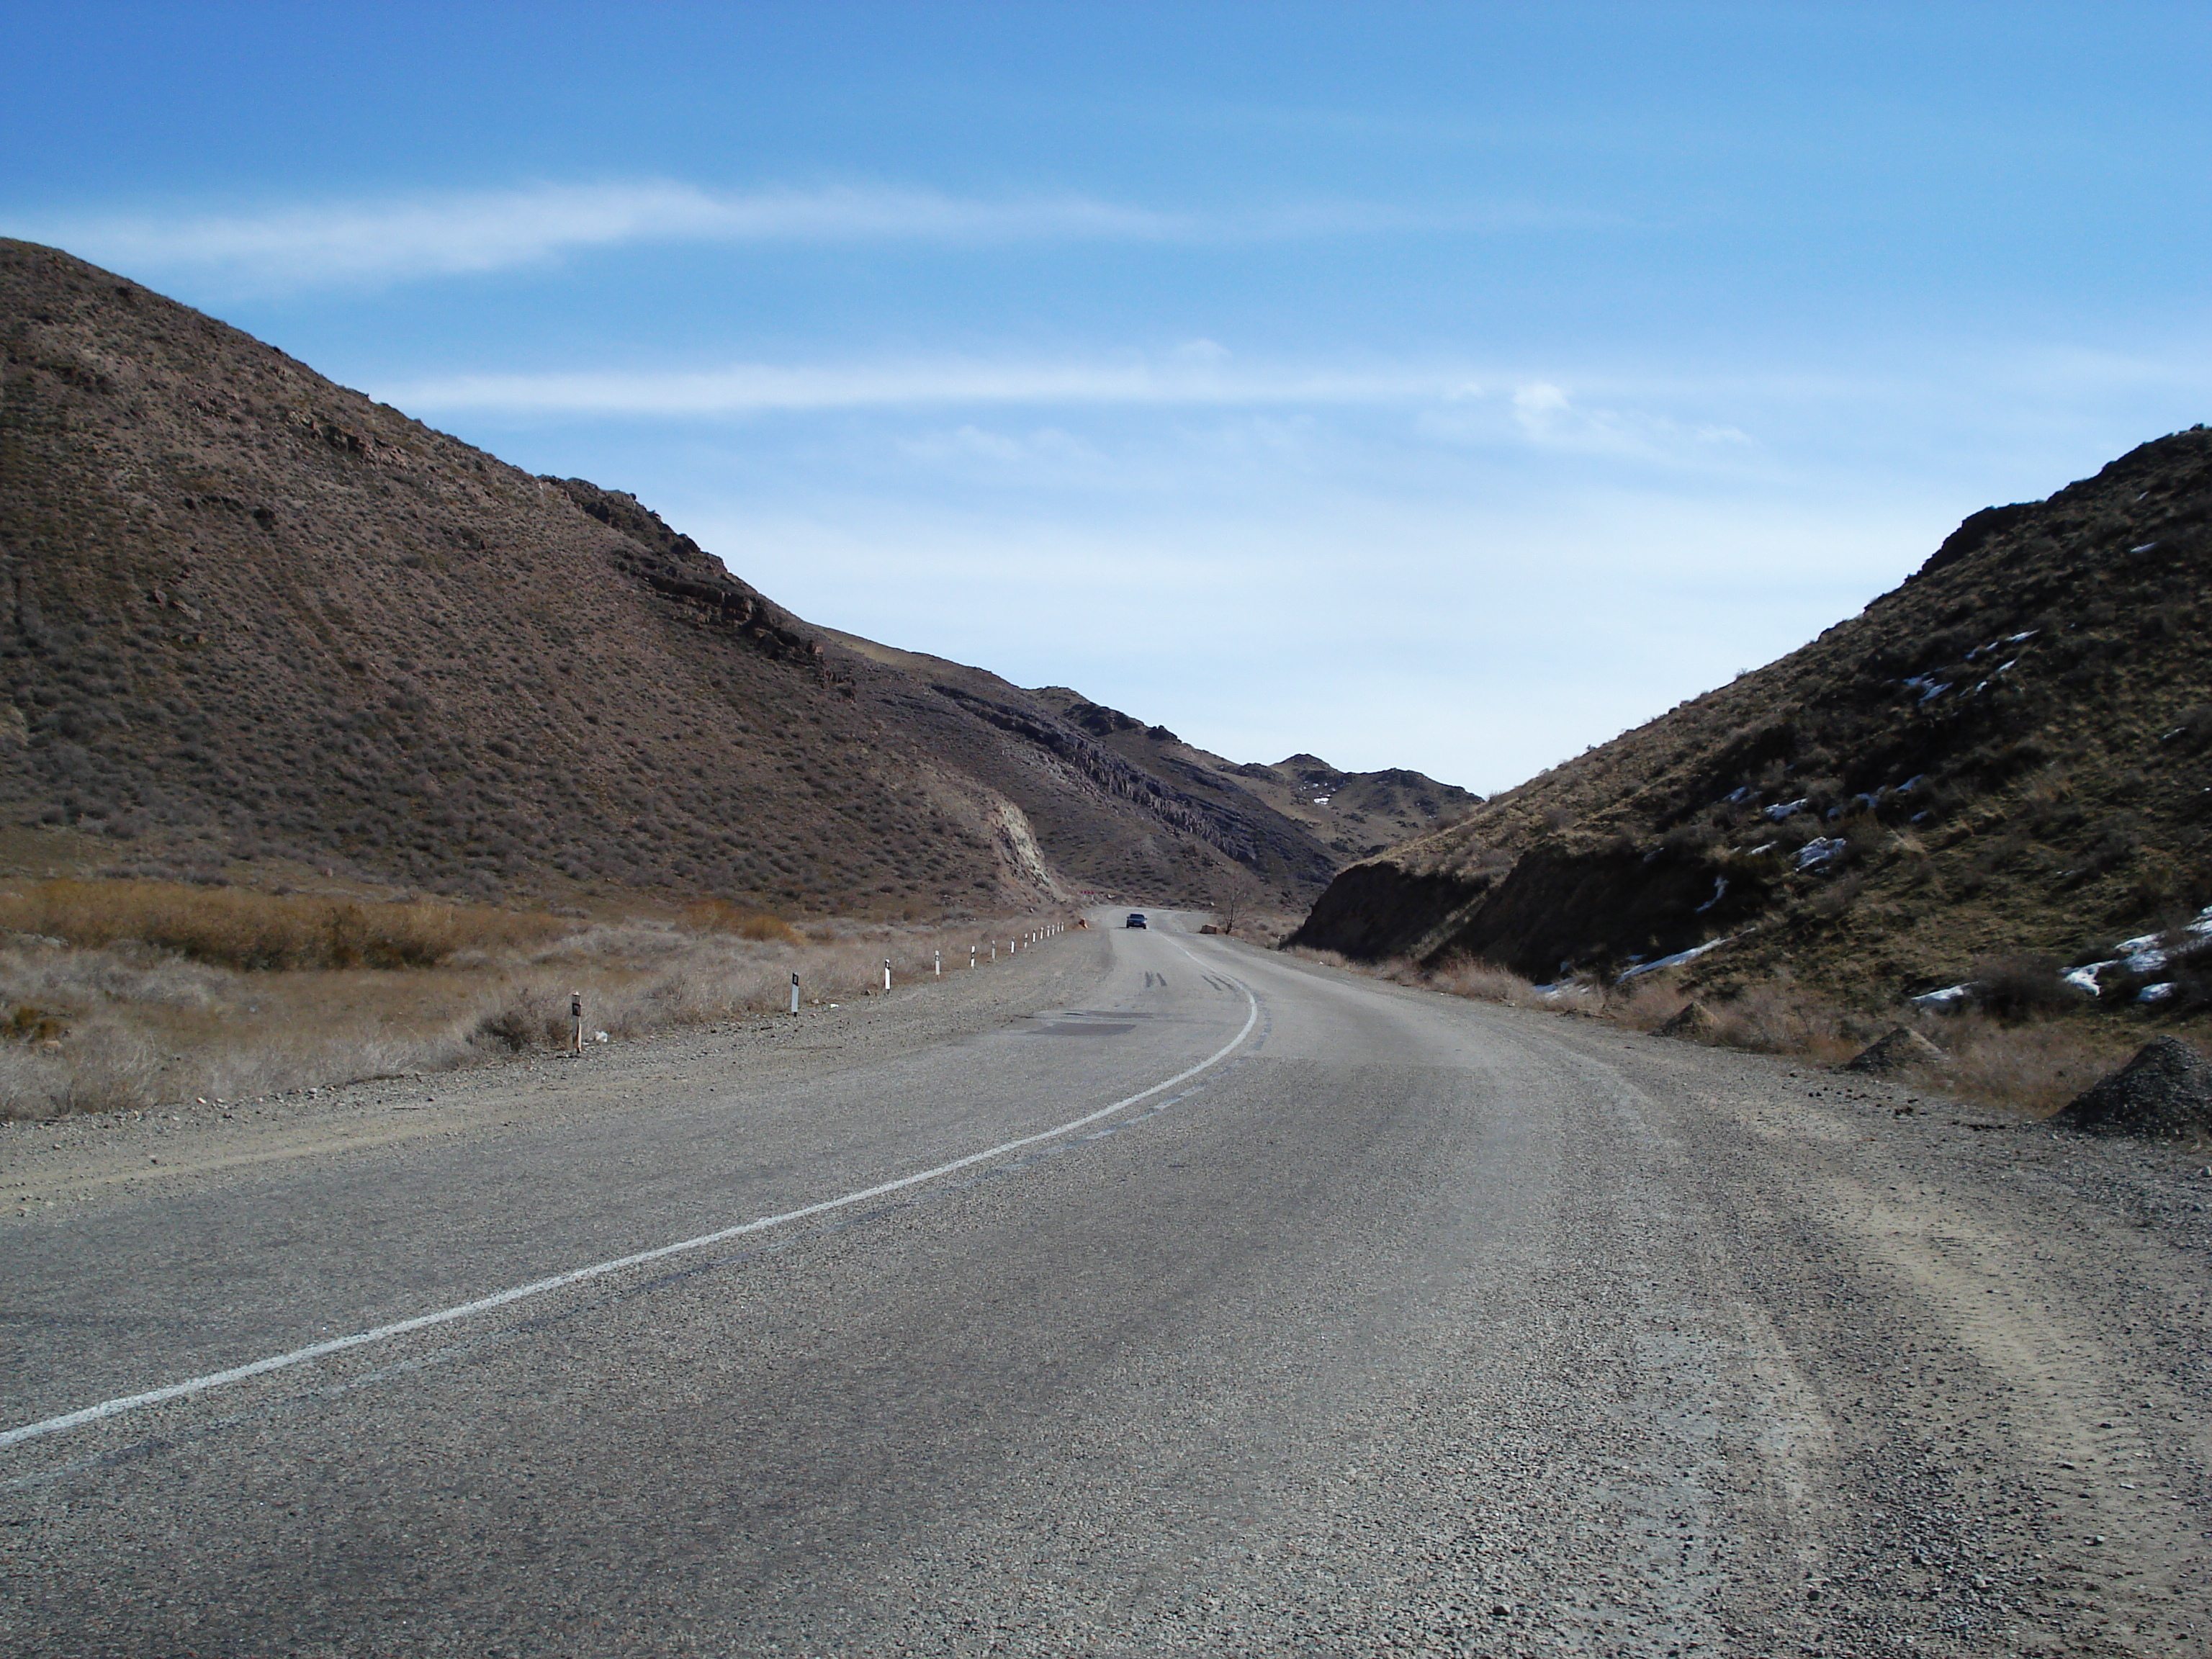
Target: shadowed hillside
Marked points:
2000	768
249	617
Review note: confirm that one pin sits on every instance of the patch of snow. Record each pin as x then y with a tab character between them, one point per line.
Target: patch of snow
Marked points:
2142	954
1911	784
2157	992
1737	797
1787	809
1763	847
1675	960
1720	886
2145	548
1949	997
1819	851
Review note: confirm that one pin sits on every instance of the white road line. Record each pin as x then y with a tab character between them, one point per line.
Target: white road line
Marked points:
578	1275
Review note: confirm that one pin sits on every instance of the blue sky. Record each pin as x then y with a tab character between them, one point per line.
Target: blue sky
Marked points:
1449	387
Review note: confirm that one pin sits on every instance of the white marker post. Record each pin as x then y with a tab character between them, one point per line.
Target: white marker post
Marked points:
937	961
887	973
576	1014
794	995
971	956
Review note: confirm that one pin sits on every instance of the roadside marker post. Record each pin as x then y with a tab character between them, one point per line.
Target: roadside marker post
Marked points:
794	995
936	960
576	1015
887	973
971	956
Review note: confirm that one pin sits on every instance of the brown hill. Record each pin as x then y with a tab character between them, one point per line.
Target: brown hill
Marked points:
248	617
1999	768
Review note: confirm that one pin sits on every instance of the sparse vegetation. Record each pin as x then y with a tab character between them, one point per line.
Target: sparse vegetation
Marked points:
130	995
2019	1054
240	928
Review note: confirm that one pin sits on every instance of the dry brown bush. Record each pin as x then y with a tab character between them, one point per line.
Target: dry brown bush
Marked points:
721	916
1775	1016
143	1029
238	928
2033	1068
1485	981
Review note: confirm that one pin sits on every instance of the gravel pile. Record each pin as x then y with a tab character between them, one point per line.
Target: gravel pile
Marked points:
2164	1092
1899	1051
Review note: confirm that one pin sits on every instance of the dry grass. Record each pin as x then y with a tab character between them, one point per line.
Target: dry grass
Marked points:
2031	1068
2028	1067
119	1021
237	927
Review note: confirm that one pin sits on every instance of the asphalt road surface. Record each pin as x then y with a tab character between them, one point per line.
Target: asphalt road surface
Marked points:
1146	1293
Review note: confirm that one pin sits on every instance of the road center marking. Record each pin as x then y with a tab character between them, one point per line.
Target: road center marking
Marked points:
599	1270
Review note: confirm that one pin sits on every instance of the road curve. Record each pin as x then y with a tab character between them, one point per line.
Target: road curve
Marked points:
1206	1300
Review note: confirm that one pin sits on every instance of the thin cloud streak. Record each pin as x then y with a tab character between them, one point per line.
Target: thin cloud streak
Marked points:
462	232
466	233
751	388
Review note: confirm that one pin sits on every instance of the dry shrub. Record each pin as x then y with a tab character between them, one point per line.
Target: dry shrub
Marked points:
1485	981
2021	986
2032	1067
143	1029
721	916
1578	996
1645	1003
237	927
1774	1016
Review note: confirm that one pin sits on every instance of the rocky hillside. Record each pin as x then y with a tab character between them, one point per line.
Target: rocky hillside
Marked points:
251	621
1280	822
2000	768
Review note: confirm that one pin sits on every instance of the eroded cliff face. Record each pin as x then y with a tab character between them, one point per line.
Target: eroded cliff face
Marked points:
2008	753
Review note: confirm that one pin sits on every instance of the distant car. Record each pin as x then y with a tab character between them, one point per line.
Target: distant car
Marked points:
1136	919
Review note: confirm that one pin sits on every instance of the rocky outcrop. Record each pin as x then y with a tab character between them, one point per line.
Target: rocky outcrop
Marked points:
2004	755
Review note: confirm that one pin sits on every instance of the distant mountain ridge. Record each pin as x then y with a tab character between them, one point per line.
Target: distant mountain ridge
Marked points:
249	619
2010	754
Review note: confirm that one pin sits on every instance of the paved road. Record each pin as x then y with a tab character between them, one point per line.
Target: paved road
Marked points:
1390	1320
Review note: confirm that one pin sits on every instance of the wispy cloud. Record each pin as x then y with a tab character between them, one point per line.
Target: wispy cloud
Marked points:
458	233
1550	416
1193	376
